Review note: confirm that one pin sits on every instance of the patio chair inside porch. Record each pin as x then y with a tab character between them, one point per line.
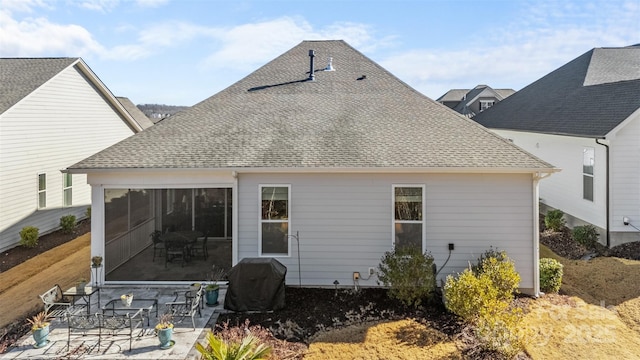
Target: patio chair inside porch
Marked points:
199	247
158	244
175	250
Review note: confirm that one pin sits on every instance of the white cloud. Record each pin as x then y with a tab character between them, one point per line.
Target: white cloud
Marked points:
246	46
32	37
151	3
25	6
518	55
99	5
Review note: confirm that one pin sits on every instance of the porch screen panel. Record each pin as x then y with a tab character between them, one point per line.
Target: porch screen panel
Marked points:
116	213
274	220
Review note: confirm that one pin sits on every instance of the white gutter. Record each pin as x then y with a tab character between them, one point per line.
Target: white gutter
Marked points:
536	232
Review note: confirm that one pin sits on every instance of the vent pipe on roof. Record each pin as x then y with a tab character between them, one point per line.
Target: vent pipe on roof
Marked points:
329	65
312	76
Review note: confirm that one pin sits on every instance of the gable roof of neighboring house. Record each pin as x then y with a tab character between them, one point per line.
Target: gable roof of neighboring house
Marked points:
587	97
466	97
358	116
137	114
19	77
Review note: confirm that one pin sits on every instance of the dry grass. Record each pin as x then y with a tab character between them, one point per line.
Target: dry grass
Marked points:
603	279
21	285
403	339
578	331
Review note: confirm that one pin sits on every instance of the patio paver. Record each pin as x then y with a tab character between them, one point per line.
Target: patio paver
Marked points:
145	346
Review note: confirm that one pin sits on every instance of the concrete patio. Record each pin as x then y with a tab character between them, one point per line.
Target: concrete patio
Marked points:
145	344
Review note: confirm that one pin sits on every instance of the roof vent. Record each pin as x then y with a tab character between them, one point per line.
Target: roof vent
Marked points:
312	76
329	65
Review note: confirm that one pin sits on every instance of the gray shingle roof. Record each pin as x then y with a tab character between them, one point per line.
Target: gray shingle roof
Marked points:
358	116
589	97
21	76
136	113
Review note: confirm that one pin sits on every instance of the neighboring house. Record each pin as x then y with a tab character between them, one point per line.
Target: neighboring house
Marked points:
471	102
584	118
136	113
54	112
324	170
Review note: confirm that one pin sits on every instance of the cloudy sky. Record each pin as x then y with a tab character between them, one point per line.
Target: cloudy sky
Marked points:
181	52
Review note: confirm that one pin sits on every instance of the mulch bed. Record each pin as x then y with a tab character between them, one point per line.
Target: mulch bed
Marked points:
20	254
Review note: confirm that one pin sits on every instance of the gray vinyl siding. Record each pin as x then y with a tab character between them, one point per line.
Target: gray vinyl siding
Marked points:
345	220
57	125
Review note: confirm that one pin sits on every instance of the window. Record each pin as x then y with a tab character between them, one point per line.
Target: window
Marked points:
273	230
42	191
588	156
408	216
485	104
67	183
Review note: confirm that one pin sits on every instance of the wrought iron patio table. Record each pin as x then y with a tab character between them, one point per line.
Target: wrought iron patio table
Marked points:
84	294
115	306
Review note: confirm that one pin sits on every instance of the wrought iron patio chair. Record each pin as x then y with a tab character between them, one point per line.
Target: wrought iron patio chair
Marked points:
188	307
158	244
199	247
174	250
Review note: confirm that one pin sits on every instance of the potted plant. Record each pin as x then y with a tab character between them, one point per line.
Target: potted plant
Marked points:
164	329
126	299
40	328
211	294
96	261
80	284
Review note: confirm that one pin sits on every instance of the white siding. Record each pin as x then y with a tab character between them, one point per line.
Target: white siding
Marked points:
344	221
59	124
563	190
625	181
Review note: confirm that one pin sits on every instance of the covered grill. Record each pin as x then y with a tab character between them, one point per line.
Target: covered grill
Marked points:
256	284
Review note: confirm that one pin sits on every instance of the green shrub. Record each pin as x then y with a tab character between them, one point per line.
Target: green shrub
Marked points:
550	275
501	270
587	235
29	236
501	331
467	295
409	274
88	212
482	297
218	349
554	220
68	223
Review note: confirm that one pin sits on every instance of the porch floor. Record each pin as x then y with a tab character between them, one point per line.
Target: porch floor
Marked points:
143	266
144	346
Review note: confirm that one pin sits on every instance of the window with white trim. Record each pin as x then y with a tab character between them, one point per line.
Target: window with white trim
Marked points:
485	104
588	160
42	191
67	193
273	229
408	216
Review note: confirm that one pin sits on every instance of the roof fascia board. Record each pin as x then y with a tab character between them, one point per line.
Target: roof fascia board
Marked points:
264	170
106	93
633	117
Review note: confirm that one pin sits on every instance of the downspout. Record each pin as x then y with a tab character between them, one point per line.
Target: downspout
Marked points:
607	207
536	235
536	231
234	220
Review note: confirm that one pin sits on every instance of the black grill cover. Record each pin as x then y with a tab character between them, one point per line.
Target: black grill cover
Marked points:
256	284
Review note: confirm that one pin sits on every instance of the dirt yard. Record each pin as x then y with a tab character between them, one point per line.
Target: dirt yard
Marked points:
21	285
